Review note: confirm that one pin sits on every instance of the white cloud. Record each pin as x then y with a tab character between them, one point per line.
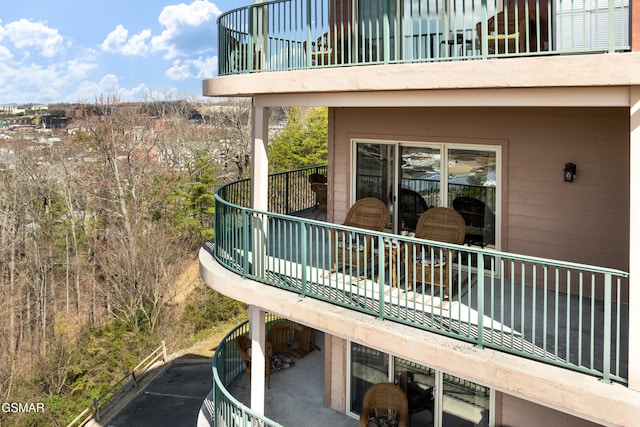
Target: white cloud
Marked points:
26	34
80	68
188	29
207	67
200	68
137	44
179	71
115	39
88	91
116	42
32	82
5	54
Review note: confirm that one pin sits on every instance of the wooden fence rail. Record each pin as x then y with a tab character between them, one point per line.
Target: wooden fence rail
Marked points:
120	388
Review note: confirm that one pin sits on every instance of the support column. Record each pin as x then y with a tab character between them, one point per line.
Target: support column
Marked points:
260	162
258	351
634	239
259	186
259	201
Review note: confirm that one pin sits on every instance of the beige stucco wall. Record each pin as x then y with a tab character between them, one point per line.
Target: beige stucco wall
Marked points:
335	373
585	221
522	413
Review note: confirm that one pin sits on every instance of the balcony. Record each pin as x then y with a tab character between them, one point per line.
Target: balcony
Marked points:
289	35
569	315
295	396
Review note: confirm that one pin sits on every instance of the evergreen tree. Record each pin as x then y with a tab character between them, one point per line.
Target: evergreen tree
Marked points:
302	142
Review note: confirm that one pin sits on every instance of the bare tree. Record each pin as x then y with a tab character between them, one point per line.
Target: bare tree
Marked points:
124	142
231	138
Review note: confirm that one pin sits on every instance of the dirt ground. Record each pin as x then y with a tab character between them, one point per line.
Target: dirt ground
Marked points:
186	283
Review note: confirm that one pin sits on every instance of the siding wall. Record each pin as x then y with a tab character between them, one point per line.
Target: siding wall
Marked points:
585	221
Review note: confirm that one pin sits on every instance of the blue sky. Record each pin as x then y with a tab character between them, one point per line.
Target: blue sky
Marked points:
76	50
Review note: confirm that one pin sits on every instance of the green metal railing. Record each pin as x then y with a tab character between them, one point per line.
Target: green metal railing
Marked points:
292	187
299	34
567	314
224	409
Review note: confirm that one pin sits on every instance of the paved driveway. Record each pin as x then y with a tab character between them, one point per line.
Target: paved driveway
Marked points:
173	399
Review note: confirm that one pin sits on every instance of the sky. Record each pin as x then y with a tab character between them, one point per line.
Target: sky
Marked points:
78	50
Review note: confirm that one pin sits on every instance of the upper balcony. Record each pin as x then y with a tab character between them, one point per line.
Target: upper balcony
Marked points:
286	35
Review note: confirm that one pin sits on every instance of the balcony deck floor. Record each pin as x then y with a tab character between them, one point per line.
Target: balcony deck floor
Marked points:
296	396
562	338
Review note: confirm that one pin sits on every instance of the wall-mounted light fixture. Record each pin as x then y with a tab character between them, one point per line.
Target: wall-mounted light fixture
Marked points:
569	172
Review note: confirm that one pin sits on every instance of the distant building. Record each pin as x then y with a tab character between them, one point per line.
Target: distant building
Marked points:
11	109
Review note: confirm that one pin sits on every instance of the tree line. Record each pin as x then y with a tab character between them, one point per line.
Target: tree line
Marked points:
95	229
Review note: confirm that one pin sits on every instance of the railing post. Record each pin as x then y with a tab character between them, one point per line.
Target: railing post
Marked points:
308	31
250	38
133	377
606	345
480	272
96	409
612	27
484	45
386	28
245	242
164	352
381	277
287	194
303	256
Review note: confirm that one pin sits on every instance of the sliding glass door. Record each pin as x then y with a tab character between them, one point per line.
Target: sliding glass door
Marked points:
435	397
414	177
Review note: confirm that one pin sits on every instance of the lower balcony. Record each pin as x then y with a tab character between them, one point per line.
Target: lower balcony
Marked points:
570	315
295	396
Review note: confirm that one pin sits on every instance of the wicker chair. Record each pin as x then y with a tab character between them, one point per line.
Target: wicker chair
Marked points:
432	265
317	178
321	196
505	39
355	249
382	400
410	206
292	339
479	218
243	345
326	50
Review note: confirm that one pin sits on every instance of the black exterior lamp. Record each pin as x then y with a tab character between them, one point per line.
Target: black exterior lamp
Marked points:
569	172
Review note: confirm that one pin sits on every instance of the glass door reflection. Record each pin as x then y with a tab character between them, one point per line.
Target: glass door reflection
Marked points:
471	190
419	187
374	172
464	403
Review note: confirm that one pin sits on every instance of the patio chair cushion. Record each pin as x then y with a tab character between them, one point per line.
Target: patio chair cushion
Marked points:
385	404
381	418
355	244
281	361
434	259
